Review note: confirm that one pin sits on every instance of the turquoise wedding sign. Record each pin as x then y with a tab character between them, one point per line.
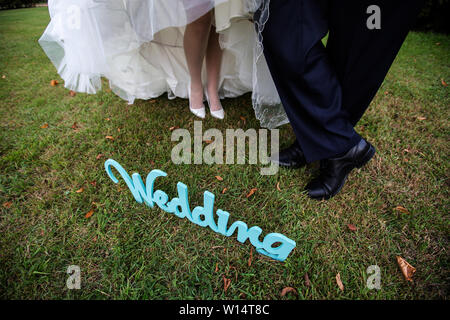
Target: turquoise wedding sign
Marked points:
274	245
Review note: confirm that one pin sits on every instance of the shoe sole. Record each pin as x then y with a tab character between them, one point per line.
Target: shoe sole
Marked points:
287	166
367	157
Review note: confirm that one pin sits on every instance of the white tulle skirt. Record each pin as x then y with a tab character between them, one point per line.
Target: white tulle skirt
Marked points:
138	46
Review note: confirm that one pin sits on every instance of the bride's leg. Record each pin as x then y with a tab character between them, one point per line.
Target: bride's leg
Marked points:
213	65
195	44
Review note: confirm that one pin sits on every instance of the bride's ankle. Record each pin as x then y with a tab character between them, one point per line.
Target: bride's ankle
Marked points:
214	100
196	96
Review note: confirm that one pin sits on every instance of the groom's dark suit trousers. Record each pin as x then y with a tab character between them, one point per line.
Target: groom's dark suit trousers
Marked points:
326	90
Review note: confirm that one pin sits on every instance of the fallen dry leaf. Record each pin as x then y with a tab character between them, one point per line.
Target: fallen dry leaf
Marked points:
339	282
72	93
79	190
3	77
407	269
74	126
108	119
421	118
444	83
224	190
287	290
7	204
44	126
307	281
278	186
252	192
217	267
226	283
401	209
352	227
54	83
99	156
109	137
219	178
251	257
93	183
89	214
173	128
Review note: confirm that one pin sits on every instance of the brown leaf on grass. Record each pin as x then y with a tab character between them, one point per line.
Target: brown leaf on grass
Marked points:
421	118
307	281
401	209
226	283
93	183
54	83
109	137
444	83
251	257
99	156
44	126
74	126
3	77
108	119
219	178
407	269
7	204
72	93
339	282
351	227
217	267
278	186
89	214
252	192
79	190
287	290
173	128
224	190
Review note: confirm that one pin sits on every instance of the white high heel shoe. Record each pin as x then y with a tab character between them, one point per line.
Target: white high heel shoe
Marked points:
200	112
218	114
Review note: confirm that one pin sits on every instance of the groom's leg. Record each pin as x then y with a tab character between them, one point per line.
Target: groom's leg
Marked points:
305	78
363	56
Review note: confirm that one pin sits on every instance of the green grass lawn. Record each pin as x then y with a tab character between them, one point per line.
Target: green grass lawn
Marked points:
129	251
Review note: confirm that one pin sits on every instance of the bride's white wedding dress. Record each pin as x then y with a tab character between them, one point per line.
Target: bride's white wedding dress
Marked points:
138	46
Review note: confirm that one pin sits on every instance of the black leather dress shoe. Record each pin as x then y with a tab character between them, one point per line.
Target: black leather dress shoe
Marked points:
334	172
291	157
